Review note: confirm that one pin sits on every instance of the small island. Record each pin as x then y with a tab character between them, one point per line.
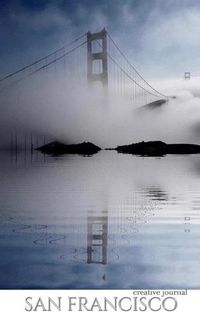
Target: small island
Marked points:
58	148
158	148
150	148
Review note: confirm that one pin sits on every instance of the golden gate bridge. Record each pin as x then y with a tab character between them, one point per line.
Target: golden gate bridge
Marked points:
91	58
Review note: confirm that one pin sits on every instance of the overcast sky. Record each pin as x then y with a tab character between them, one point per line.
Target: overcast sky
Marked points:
160	37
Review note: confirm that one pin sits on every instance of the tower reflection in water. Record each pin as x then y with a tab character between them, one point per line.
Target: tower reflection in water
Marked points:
97	237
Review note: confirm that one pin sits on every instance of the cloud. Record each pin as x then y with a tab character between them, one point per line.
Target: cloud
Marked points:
50	17
171	40
176	30
158	37
67	111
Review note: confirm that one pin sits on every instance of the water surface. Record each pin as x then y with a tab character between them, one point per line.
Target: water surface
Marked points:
106	221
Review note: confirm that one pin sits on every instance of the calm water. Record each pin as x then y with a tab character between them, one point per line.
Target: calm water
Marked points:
106	221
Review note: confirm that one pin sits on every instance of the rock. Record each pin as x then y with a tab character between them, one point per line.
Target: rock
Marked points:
183	149
58	148
158	148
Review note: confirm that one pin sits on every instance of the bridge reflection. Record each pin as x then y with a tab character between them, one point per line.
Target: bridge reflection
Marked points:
97	237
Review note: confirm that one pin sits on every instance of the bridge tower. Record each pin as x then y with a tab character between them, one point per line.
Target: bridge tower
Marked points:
100	56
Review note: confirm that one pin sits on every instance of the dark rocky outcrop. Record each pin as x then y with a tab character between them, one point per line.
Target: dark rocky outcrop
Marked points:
158	148
155	104
58	148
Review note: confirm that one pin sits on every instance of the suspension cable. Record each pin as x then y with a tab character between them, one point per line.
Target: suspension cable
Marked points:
37	61
124	72
45	65
124	56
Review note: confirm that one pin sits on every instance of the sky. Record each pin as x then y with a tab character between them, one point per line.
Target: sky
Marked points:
160	37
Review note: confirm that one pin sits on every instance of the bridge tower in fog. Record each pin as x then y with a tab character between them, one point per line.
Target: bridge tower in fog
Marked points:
97	57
